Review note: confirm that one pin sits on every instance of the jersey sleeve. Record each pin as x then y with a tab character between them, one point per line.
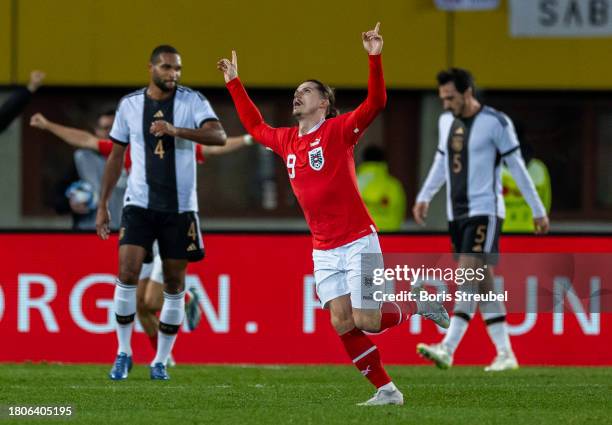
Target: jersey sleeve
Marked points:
436	177
120	132
105	147
354	123
202	110
200	157
516	165
252	120
506	140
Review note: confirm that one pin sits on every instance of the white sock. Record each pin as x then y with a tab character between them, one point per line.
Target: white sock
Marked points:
388	387
456	330
498	332
172	314
494	315
124	301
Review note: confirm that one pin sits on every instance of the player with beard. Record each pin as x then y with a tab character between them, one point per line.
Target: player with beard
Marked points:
160	123
474	140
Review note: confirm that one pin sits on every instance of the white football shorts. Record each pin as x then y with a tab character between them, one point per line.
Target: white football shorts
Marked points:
348	270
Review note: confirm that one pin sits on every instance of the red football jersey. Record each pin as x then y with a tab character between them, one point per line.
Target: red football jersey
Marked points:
320	164
106	146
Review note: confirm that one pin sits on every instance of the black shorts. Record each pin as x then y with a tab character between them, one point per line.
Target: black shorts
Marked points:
178	234
478	236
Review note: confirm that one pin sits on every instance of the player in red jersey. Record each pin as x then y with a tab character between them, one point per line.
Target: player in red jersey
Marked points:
319	157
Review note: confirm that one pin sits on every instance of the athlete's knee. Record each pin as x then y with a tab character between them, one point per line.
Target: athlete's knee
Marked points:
129	273
342	321
368	322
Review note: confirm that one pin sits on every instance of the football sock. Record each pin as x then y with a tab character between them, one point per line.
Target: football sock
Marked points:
124	300
394	313
498	331
458	325
365	357
494	316
170	319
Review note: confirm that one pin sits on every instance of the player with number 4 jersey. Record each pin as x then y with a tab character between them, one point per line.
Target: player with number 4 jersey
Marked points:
319	158
160	123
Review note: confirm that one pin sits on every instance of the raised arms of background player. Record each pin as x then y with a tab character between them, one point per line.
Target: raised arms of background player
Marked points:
14	105
84	139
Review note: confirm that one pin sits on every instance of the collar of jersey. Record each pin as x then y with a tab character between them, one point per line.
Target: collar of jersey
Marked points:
313	129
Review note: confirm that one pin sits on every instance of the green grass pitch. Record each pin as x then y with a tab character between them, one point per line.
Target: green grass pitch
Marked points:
310	395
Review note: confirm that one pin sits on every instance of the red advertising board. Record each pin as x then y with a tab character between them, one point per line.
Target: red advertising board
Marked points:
259	305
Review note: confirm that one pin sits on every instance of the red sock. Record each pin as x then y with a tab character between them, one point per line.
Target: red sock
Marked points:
153	341
365	356
394	313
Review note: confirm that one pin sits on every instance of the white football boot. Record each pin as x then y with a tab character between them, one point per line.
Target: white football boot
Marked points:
383	397
432	310
437	353
505	360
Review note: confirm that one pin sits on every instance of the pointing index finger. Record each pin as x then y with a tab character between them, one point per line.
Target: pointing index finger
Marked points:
377	27
234	58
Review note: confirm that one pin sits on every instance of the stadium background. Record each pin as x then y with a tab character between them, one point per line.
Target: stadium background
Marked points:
93	52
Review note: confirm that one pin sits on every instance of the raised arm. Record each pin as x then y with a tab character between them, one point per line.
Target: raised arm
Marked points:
232	144
247	111
73	136
359	119
17	101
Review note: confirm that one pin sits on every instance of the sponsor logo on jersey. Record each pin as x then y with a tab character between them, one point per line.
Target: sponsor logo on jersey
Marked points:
316	142
158	114
192	247
316	159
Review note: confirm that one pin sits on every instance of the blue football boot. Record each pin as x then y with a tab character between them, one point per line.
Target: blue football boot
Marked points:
123	364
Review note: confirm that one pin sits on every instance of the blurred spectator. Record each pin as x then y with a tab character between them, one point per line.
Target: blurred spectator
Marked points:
18	100
77	191
382	193
519	217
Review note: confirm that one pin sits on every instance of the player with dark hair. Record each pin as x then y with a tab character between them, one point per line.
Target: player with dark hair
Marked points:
473	141
160	123
319	158
149	294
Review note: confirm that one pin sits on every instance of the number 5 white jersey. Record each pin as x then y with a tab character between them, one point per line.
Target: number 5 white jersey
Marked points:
163	174
468	160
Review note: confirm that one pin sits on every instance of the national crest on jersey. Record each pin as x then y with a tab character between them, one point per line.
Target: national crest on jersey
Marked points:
316	159
163	172
457	139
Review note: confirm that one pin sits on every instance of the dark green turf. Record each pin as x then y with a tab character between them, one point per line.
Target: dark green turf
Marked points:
314	394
